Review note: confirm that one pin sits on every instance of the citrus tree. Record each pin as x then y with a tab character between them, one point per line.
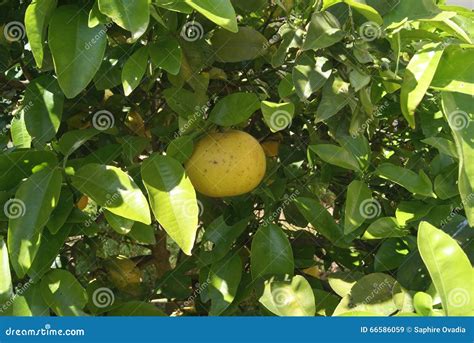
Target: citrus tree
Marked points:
233	157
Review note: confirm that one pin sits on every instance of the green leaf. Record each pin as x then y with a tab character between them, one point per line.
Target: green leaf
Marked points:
423	304
29	211
459	112
37	17
289	298
222	236
77	49
18	165
49	249
136	308
30	303
73	140
172	198
181	148
234	109
444	145
372	293
359	147
144	234
184	102
336	155
326	302
445	184
408	211
166	54
383	228
109	74
417	79
96	17
119	224
271	253
20	136
114	190
454	72
310	74
6	288
409	10
133	16
342	282
449	268
133	146
321	220
415	183
336	95
451	27
61	212
324	30
250	6
63	293
222	13
174	5
277	116
359	314
357	199
134	69
367	11
244	45
224	280
44	108
391	254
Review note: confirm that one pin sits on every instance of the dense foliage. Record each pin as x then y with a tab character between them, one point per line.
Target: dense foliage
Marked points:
364	109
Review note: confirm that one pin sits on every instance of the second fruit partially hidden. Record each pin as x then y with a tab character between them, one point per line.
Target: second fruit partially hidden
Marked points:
226	164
